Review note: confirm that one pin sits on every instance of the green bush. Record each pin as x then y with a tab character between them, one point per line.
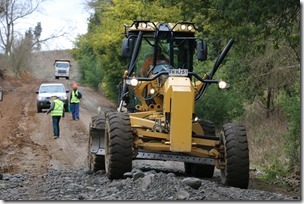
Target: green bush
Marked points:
91	74
219	106
289	100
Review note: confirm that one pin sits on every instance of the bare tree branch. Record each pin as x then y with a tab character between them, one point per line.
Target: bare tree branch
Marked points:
11	12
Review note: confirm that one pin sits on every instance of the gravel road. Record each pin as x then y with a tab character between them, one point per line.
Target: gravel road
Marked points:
81	184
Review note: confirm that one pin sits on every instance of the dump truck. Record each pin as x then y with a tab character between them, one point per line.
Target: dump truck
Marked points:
155	117
62	68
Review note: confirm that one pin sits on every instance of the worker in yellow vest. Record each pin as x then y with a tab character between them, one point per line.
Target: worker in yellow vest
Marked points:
74	102
57	111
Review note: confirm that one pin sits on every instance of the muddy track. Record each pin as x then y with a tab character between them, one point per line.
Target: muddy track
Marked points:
27	136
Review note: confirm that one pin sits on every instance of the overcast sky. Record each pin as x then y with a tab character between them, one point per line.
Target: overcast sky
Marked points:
58	16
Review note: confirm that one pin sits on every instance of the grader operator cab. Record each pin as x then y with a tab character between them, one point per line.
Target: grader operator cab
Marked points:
155	118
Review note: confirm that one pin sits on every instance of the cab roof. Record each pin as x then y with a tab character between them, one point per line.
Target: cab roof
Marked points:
185	27
62	60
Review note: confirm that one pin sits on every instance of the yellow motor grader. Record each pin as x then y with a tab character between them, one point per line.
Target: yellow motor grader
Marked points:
155	118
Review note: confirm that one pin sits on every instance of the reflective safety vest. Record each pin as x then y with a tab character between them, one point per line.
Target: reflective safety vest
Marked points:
58	108
74	99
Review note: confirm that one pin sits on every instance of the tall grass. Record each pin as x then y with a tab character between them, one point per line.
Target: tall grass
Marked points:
266	139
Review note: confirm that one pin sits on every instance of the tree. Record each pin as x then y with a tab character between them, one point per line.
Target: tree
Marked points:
21	54
32	37
12	11
17	48
37	33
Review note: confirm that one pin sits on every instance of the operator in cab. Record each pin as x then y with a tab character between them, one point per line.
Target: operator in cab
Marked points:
148	63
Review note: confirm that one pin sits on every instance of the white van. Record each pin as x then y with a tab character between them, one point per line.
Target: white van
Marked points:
46	90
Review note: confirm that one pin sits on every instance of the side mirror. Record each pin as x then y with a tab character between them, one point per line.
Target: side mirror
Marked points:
202	50
127	46
1	95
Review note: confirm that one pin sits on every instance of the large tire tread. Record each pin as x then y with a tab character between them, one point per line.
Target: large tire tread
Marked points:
119	145
208	127
236	172
97	162
98	122
97	126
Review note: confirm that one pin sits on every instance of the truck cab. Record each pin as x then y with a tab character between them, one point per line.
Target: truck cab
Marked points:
62	68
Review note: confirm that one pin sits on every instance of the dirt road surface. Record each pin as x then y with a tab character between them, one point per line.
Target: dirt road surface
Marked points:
27	143
26	137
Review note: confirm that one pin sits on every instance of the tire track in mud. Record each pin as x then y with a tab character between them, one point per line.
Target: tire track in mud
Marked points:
21	153
69	150
27	143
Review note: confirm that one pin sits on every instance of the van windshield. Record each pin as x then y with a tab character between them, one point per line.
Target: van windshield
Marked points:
52	89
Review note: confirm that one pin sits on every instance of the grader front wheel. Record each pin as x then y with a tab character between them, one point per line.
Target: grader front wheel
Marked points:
236	156
119	145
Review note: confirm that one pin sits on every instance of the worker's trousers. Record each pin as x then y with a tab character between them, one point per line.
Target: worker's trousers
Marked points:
56	129
75	111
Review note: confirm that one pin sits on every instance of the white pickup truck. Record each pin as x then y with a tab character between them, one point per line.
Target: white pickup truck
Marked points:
62	68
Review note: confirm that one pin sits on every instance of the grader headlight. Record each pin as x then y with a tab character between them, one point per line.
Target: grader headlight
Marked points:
190	27
134	82
185	27
223	85
152	91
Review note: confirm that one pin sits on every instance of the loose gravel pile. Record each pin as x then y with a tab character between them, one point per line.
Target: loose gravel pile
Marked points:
82	184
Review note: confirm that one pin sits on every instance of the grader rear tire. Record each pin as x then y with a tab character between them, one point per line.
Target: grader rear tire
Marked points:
202	170
119	145
236	156
97	130
208	127
96	162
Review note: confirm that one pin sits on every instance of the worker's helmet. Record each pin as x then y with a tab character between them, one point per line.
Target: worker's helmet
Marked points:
75	86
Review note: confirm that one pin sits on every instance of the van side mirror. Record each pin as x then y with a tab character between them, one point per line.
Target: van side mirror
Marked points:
202	50
127	45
